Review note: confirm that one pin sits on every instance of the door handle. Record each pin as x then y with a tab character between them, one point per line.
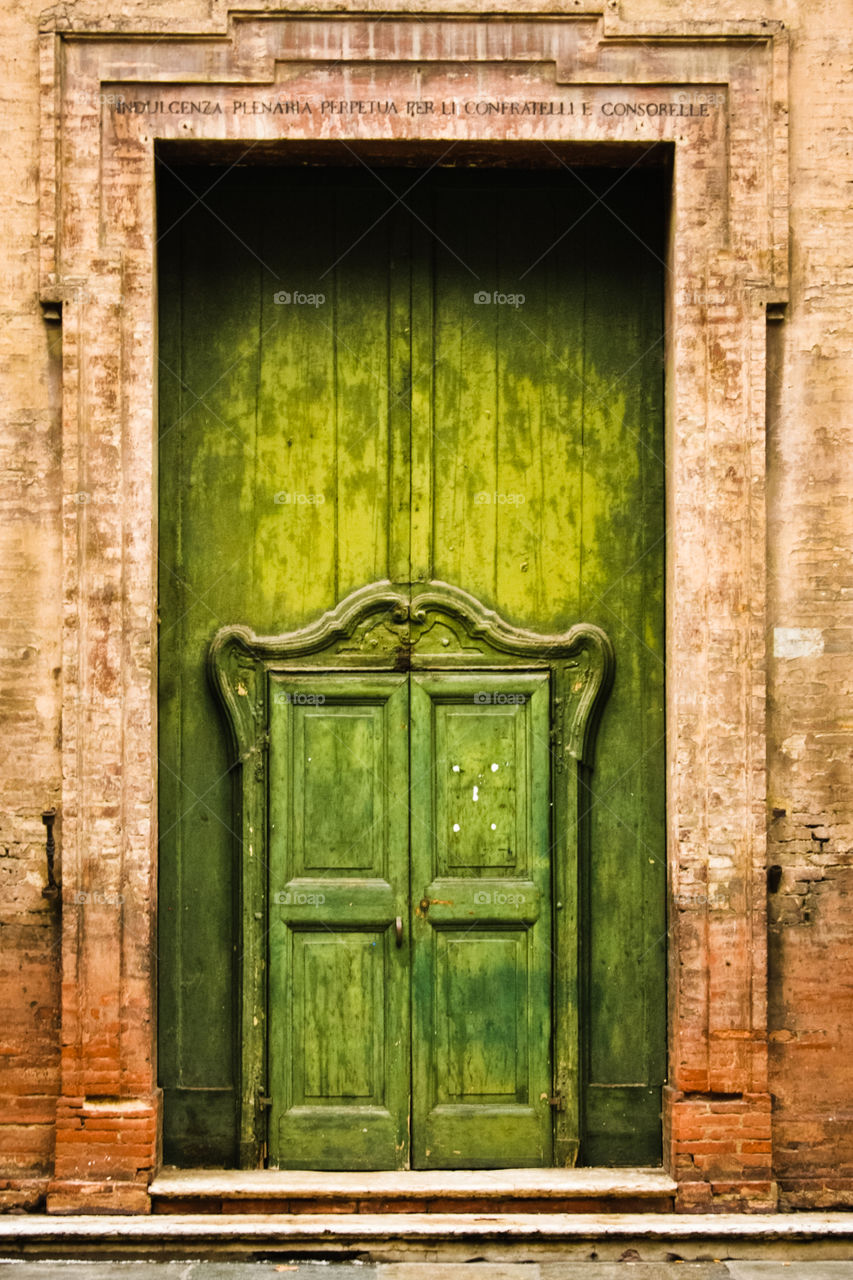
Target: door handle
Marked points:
398	931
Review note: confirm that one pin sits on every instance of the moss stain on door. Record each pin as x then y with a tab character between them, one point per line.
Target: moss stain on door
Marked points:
462	384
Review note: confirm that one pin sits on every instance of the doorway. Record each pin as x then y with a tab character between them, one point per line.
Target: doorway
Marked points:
410	952
451	376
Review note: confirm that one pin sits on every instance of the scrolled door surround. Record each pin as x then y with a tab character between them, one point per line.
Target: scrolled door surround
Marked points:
728	269
430	628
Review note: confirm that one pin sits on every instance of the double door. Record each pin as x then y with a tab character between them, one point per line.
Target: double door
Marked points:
410	951
416	376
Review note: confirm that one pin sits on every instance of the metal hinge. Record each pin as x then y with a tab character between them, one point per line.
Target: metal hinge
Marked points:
264	1101
556	1102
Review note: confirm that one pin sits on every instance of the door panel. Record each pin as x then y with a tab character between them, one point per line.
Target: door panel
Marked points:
481	991
481	1049
548	447
276	444
339	878
509	393
469	735
338	750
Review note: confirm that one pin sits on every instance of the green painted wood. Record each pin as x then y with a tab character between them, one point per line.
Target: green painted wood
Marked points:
509	392
199	1127
338	1043
402	429
434	627
481	989
273	498
549	446
205	434
624	933
620	1125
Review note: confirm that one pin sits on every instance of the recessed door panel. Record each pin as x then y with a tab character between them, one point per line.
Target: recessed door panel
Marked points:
481	931
339	1028
343	744
477	807
480	1006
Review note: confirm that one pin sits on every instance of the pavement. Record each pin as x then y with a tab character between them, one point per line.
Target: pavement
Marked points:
571	1269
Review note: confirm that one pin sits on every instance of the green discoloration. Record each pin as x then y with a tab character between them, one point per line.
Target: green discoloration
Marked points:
481	995
400	430
411	784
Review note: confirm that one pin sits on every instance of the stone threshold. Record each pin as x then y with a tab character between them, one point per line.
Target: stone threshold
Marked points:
455	1183
391	1237
411	1191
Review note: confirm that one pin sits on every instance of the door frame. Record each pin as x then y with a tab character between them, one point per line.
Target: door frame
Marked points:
110	98
418	627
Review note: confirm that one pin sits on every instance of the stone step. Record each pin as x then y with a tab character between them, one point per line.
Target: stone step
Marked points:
411	1191
451	1237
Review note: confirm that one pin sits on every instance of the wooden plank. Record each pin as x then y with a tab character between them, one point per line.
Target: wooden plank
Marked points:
399	231
295	474
212	437
541	406
423	423
360	277
465	459
622	590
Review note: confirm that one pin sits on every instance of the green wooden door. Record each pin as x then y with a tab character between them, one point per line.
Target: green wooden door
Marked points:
481	881
338	1018
419	423
344	925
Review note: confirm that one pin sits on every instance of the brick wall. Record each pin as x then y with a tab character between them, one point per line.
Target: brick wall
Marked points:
810	460
30	602
804	1144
